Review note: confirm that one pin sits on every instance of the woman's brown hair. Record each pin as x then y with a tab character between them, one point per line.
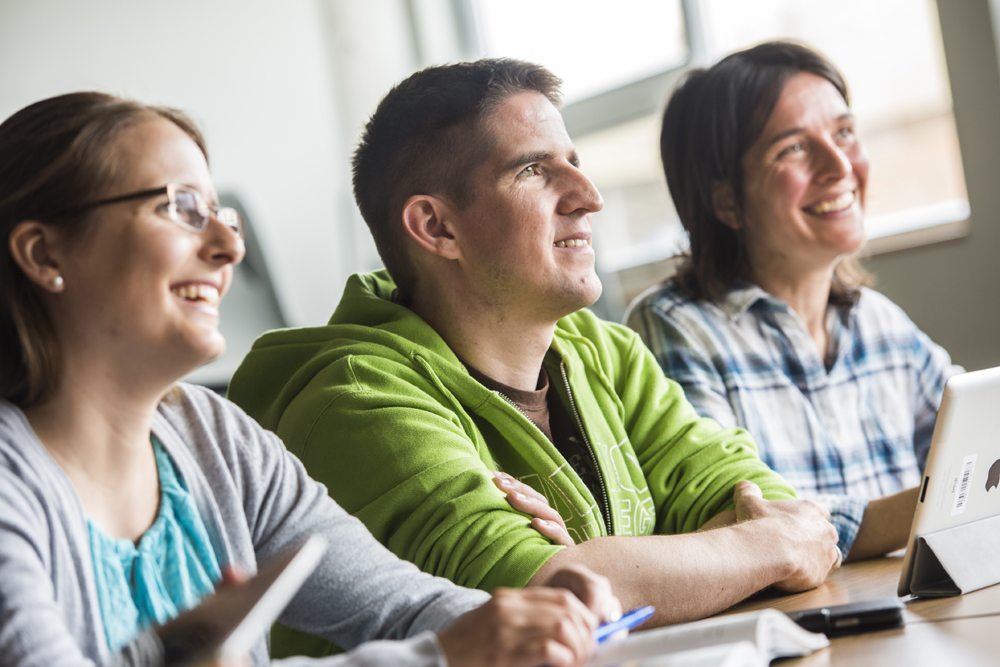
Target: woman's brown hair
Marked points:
711	121
56	156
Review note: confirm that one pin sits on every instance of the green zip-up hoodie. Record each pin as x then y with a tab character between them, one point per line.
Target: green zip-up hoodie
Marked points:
379	409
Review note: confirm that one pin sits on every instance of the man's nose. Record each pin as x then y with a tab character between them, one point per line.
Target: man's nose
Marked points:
581	194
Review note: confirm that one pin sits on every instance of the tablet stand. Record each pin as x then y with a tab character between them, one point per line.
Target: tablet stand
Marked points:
957	560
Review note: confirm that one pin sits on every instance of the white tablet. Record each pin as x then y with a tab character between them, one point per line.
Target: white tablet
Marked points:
962	474
228	623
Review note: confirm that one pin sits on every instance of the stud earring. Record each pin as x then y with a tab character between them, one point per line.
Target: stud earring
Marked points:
57	281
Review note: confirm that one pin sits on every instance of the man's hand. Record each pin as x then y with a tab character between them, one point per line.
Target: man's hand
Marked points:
799	529
525	499
533	626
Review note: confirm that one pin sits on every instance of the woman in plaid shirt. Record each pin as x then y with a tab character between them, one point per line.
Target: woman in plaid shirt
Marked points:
768	324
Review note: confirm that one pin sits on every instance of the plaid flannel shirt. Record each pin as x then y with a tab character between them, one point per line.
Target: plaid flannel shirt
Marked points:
858	431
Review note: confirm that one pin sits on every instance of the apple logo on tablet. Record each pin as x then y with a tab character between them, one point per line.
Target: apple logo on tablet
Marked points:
993	479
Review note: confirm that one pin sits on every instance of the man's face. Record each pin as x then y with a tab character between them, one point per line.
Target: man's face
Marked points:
525	237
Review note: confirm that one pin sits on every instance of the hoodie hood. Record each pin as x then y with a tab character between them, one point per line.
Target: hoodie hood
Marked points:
281	363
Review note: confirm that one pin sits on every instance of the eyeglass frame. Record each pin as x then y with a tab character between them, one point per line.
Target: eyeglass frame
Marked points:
171	189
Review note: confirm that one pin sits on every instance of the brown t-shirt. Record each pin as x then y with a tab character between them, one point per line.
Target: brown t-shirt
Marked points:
545	409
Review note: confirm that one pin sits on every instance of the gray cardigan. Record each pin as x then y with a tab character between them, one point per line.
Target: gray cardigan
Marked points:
256	500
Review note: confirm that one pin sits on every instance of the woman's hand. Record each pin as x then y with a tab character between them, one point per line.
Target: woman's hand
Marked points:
525	499
533	626
593	589
234	575
227	662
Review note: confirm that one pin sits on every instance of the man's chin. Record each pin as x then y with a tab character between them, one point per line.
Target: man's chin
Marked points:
584	296
596	292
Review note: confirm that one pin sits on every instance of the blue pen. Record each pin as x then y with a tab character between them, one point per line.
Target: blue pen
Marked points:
631	620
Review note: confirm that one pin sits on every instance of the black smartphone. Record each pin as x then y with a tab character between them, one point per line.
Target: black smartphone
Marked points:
847	619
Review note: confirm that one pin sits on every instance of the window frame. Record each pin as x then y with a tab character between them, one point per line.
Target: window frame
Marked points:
899	230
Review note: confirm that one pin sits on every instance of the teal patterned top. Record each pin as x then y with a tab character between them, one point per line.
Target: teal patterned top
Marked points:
171	570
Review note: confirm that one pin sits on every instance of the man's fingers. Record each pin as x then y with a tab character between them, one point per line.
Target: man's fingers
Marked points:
525	499
556	533
506	483
748	498
745	488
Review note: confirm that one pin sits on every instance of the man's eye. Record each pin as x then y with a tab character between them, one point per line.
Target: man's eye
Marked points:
845	133
530	170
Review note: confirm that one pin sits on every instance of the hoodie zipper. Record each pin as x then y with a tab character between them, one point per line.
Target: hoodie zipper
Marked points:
586	441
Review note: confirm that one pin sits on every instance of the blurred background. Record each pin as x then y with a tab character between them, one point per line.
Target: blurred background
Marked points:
282	90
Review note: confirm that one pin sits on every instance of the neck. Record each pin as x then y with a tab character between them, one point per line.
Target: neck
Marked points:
807	293
95	425
97	428
504	344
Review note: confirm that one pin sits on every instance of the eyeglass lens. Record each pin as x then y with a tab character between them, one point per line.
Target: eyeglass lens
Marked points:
194	212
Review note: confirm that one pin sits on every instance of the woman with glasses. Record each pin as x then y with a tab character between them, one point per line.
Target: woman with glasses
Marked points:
768	325
126	496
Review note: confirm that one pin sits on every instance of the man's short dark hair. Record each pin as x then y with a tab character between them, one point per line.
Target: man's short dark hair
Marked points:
427	136
710	123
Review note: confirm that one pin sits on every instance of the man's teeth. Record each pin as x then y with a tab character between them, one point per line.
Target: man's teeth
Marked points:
571	243
197	293
838	204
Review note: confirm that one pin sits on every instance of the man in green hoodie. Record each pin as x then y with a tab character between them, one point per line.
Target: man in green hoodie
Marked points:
474	352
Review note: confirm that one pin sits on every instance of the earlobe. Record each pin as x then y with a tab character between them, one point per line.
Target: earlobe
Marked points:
724	205
31	246
428	221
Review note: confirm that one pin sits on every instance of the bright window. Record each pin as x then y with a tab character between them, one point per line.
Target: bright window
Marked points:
594	45
890	53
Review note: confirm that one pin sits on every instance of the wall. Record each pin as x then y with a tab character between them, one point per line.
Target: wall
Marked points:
952	290
256	74
282	89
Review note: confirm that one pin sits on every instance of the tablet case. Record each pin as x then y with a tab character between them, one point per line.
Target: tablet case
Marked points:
958	560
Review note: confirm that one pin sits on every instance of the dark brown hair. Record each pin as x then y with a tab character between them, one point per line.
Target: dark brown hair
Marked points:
427	136
711	121
55	156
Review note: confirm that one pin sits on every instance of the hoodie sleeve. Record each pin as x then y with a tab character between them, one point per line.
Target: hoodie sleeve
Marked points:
691	464
393	450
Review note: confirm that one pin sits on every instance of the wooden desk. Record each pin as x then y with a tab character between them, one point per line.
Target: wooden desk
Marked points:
962	630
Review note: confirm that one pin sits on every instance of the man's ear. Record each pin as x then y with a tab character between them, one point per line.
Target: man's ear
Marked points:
34	247
724	205
428	221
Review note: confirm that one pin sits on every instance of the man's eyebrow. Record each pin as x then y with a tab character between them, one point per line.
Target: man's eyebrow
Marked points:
796	130
526	158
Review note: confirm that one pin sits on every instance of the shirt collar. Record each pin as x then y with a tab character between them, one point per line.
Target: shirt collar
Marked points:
745	294
739	299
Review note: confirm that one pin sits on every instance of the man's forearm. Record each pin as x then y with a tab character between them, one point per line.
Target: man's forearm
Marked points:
685	577
885	526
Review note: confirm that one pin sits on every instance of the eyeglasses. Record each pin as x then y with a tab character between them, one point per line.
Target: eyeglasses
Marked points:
184	206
